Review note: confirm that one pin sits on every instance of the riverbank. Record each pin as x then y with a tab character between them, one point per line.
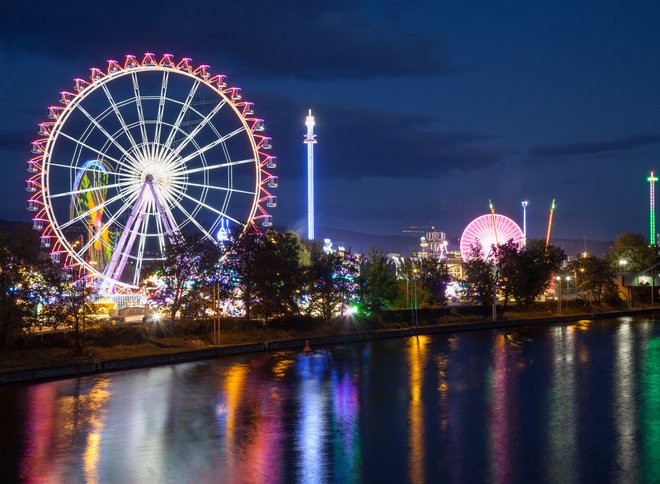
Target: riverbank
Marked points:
29	365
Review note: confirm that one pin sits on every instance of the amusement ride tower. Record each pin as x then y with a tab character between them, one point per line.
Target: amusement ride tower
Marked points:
652	179
310	141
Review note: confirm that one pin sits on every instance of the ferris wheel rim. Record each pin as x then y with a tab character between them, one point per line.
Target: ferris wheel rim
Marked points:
40	202
482	225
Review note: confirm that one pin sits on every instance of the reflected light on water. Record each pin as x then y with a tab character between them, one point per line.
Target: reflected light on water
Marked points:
346	427
479	406
501	403
561	407
97	399
624	401
311	431
227	415
417	356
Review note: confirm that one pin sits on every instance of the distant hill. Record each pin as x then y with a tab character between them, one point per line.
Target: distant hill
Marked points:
405	244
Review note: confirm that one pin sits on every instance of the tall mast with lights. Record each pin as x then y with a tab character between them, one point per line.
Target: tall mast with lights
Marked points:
310	141
652	235
524	206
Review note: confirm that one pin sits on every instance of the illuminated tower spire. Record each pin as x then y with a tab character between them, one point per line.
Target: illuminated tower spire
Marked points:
310	141
524	206
547	236
652	179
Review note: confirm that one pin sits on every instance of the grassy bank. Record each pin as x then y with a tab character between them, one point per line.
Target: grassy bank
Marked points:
49	350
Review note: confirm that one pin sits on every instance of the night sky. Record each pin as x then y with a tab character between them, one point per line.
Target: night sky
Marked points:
425	109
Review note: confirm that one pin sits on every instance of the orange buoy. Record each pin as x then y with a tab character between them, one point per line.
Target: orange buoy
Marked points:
307	348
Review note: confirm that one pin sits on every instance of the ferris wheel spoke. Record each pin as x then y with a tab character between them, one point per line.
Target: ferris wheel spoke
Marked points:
161	109
105	133
182	113
141	244
214	167
138	106
93	189
209	146
98	152
160	231
109	222
81	216
197	129
213	187
192	219
117	112
206	206
120	254
95	170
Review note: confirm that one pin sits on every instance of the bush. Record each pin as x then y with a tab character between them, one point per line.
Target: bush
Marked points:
295	323
428	315
114	335
483	311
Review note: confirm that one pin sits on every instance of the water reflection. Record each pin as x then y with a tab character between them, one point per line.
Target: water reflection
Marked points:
624	401
561	407
311	430
497	406
503	406
417	358
650	412
57	419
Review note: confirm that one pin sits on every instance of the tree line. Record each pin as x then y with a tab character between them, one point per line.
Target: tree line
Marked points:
278	274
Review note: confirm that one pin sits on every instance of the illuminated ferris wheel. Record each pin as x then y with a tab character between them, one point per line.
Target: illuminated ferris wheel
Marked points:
487	231
143	153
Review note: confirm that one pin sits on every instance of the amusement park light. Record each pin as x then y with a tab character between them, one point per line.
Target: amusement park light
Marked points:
652	234
489	230
310	141
183	153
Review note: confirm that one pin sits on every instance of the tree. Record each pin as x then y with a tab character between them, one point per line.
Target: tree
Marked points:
183	273
632	248
481	276
595	277
69	302
434	277
526	272
379	279
20	262
279	276
240	266
330	277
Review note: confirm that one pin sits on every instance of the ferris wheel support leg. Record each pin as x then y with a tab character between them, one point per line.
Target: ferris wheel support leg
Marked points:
129	246
165	215
119	250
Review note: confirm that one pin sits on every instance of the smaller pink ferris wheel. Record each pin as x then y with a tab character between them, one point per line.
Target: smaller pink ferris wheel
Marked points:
487	231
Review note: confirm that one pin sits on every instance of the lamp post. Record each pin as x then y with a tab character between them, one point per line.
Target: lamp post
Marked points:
415	319
622	269
558	279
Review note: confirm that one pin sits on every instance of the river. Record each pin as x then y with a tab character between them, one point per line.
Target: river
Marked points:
557	403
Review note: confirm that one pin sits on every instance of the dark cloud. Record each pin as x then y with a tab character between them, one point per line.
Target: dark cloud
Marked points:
357	143
595	147
288	38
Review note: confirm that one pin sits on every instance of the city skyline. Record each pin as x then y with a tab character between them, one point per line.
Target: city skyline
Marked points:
426	110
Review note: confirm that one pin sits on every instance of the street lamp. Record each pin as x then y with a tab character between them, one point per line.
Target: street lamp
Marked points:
622	265
416	319
558	279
